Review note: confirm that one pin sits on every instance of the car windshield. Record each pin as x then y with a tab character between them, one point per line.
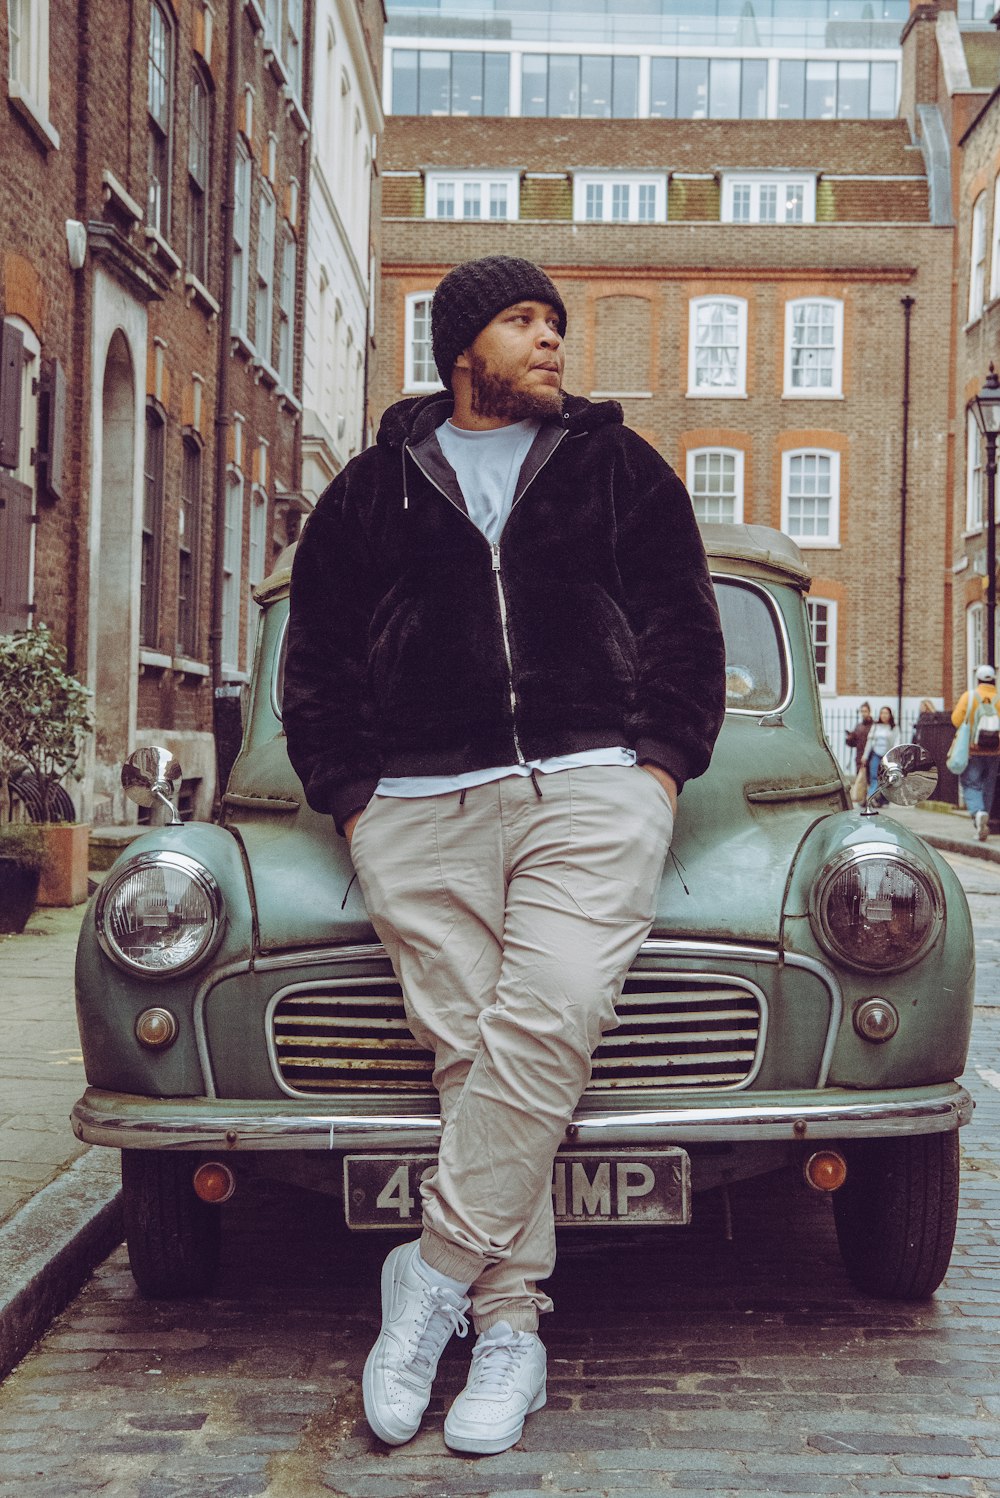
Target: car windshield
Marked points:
756	665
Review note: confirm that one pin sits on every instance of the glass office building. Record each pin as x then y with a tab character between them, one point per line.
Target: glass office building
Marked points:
641	59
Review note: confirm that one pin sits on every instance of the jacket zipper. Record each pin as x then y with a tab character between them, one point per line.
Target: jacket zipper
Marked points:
501	597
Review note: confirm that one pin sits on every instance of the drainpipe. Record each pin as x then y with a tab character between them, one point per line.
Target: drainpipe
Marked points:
906	303
223	420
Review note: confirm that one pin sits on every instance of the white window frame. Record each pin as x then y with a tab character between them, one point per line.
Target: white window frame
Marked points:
975	640
411	384
28	62
292	47
995	247
755	181
738	390
974	475
812	542
827	686
834	390
286	310
460	181
232	567
256	559
977	257
609	180
738	472
243	179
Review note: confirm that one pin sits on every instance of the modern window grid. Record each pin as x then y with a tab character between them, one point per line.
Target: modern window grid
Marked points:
450	83
719	345
441	81
977	266
810	498
188	527
264	308
159	105
823	629
814	336
241	239
715	482
231	570
198	177
286	312
152	527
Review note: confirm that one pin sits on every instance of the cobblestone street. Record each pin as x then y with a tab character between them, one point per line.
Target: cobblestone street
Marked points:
679	1361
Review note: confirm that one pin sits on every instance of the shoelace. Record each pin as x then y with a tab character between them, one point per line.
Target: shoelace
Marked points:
440	1316
495	1362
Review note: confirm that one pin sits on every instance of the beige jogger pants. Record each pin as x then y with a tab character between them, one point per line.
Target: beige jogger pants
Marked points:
511	921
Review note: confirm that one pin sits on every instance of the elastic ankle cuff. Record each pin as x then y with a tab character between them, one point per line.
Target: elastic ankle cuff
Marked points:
448	1258
518	1321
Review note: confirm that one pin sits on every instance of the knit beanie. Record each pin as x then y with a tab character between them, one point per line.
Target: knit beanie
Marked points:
472	294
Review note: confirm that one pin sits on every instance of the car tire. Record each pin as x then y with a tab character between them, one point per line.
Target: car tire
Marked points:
172	1236
896	1214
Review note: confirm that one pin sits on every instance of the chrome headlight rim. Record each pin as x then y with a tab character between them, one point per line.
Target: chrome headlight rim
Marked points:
159	858
857	855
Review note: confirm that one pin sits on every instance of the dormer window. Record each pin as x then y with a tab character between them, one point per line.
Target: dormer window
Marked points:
768	198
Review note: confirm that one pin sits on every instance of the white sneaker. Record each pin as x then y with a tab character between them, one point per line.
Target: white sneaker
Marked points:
982	822
506	1383
417	1322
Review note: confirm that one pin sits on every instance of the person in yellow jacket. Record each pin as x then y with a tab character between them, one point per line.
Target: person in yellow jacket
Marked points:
979	778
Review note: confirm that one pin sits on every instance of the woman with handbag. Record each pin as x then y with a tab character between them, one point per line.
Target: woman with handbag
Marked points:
882	736
974	716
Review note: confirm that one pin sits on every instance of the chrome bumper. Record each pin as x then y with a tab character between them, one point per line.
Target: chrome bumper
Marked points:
192	1124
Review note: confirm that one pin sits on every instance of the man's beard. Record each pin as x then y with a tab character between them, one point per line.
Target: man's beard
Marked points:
496	396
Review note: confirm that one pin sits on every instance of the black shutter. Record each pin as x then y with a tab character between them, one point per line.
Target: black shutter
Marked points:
54	430
11	372
15	554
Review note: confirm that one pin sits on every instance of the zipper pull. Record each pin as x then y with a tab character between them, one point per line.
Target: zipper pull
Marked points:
496	557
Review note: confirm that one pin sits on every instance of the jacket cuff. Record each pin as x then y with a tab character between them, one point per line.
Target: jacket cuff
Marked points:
349	797
666	756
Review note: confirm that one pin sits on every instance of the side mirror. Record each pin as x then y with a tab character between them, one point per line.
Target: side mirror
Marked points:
907	775
150	777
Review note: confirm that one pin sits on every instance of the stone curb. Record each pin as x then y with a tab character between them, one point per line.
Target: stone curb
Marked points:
964	846
48	1248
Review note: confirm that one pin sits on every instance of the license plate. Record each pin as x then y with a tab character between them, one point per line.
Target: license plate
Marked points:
636	1187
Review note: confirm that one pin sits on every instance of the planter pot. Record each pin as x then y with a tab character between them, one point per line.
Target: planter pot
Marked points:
67	848
18	895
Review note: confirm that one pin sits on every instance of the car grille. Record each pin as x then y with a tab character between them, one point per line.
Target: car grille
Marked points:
351	1035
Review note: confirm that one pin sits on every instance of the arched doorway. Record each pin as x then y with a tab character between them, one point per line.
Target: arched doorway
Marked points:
114	689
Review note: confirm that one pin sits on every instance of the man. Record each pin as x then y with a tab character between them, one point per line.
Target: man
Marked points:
979	778
504	661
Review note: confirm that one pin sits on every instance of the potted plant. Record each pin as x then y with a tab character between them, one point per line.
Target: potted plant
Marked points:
22	863
44	722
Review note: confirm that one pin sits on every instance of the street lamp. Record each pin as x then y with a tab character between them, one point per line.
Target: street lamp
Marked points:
986	410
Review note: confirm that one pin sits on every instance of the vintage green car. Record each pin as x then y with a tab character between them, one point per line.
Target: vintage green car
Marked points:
804	999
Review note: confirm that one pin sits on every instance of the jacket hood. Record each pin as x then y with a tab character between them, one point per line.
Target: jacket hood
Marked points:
410	420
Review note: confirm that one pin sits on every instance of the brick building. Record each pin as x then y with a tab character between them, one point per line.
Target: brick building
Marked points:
153	217
744	289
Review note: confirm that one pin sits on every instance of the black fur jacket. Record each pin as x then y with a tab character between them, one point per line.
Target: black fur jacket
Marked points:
417	648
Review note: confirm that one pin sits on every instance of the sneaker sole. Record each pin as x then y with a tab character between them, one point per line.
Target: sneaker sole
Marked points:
490	1445
400	1436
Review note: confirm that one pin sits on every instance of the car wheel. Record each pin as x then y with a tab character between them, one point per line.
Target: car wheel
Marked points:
896	1214
172	1236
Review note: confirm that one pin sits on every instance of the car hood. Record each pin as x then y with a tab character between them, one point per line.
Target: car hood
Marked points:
737	833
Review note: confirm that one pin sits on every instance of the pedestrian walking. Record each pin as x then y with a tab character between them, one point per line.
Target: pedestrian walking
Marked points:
504	662
882	736
857	737
978	780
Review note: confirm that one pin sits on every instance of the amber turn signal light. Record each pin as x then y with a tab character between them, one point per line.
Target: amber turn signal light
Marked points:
214	1182
826	1170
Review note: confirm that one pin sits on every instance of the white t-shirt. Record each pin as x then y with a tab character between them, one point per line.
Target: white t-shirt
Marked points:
487	465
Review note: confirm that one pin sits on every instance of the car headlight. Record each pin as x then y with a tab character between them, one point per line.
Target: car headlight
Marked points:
876	907
159	914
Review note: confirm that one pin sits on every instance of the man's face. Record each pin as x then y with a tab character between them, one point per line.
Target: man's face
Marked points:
515	364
